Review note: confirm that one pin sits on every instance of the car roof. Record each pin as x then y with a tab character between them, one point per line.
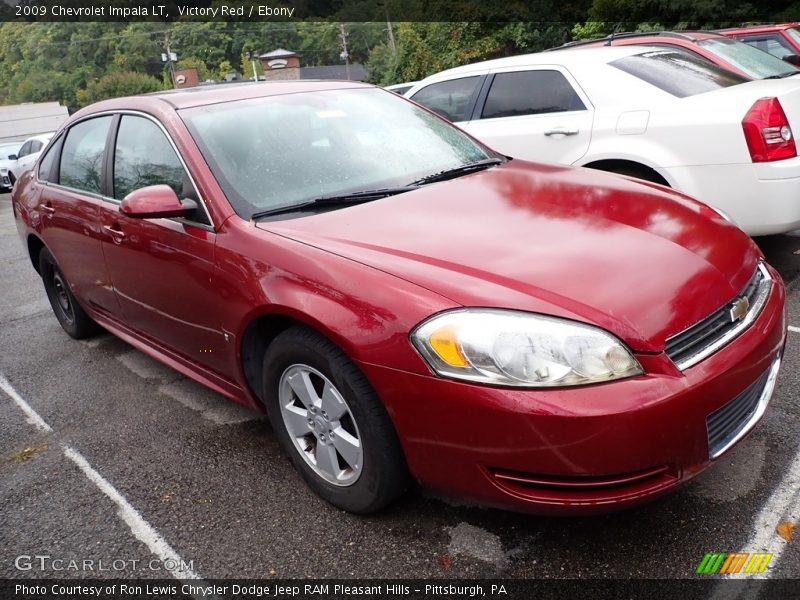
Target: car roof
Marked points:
565	57
645	37
394	86
41	137
214	94
760	28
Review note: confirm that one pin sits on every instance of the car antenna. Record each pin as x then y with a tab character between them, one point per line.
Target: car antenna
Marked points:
610	38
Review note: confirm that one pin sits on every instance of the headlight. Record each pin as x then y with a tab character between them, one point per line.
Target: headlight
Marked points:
505	347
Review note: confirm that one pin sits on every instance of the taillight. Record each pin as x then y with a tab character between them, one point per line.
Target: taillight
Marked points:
767	132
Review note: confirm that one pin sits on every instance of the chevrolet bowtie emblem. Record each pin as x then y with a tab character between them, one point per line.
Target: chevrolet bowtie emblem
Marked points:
739	309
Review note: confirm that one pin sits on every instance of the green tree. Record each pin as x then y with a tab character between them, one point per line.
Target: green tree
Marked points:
246	66
626	15
426	48
225	68
139	48
209	42
261	38
115	85
192	62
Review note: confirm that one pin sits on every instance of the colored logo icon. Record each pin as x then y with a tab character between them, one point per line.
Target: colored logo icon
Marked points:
724	563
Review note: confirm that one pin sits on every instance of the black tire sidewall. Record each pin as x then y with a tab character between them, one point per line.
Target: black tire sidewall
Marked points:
383	474
81	325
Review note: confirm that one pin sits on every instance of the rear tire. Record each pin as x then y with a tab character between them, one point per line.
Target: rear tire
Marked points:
70	315
331	423
637	172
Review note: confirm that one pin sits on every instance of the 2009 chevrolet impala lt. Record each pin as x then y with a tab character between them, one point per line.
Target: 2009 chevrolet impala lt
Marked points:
404	302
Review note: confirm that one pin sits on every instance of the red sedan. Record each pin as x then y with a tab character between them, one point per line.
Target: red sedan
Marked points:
405	303
742	59
780	39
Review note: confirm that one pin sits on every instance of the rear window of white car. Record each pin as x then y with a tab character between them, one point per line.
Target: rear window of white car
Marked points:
530	93
677	73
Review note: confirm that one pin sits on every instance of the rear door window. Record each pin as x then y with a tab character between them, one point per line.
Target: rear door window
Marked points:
677	73
82	155
769	42
451	99
530	93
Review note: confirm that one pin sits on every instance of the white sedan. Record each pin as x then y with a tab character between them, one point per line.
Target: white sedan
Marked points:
8	157
27	155
652	113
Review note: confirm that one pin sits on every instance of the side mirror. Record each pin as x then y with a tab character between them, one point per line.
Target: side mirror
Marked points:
792	59
12	157
155	202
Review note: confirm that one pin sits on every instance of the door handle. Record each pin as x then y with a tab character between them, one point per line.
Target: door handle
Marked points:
116	235
561	131
48	208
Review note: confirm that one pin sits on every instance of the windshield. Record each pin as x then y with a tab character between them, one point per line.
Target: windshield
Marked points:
793	33
288	149
7	149
756	63
677	72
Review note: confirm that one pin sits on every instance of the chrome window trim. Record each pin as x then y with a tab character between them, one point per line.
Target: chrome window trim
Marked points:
66	188
158	123
761	407
762	294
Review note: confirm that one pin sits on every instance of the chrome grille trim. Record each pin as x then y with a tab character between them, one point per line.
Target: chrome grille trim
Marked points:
730	423
702	339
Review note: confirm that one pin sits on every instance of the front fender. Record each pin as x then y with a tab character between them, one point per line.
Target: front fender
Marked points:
364	311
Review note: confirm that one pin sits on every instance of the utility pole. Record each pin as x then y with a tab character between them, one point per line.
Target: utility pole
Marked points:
345	55
389	29
170	58
252	56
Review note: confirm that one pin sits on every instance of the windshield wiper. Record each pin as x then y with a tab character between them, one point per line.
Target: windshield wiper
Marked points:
458	171
783	75
338	199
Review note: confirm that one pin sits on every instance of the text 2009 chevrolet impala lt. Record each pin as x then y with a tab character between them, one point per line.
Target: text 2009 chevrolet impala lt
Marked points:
405	303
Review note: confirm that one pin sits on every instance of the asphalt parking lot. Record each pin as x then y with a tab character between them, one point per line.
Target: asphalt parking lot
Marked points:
197	479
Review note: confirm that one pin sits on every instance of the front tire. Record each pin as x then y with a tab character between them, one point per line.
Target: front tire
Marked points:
70	315
331	423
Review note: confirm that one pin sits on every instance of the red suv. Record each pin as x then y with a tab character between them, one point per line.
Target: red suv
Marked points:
713	47
781	40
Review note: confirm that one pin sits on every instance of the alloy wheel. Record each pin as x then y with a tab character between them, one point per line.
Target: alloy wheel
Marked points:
320	425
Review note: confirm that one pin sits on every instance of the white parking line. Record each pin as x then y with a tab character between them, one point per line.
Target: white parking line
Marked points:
140	528
782	505
795	329
33	417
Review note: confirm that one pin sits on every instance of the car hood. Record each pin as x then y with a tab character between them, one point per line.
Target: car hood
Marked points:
636	259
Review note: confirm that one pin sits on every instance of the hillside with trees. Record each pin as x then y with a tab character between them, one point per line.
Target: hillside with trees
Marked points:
79	63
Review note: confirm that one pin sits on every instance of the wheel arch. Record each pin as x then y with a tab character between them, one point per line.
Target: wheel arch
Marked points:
35	246
262	329
629	167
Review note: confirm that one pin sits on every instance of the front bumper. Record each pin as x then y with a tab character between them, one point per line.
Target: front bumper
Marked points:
577	450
